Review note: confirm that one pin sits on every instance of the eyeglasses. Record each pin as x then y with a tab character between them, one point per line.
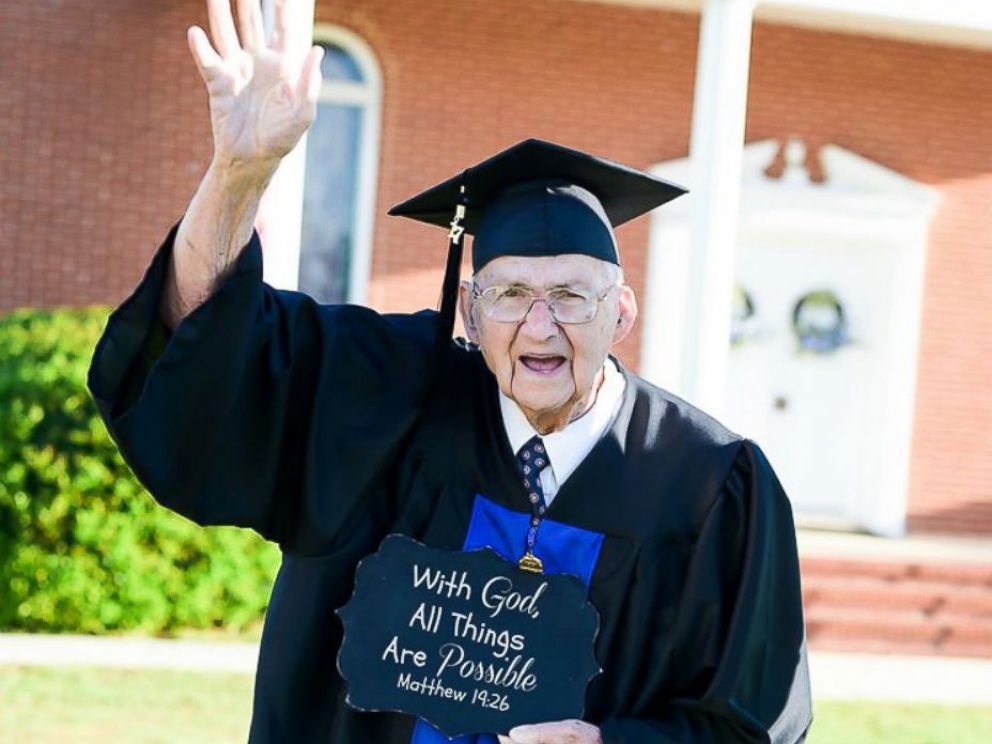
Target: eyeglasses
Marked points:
510	304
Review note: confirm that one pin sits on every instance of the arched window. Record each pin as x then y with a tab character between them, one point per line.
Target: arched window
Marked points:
342	155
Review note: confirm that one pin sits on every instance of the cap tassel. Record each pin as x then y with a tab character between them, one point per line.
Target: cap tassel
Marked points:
452	274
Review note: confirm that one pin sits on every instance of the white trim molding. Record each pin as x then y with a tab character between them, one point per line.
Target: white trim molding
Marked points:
279	219
369	96
861	202
282	265
965	23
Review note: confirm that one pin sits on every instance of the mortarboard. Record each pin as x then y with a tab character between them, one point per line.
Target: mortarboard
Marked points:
535	198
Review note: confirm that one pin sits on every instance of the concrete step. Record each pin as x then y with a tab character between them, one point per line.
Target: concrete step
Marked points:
894	623
913	596
949	650
932	598
895	629
964	574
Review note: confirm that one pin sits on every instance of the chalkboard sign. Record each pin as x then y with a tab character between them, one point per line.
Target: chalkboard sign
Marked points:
466	641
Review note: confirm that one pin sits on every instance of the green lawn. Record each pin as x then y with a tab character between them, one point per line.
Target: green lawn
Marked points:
888	723
86	706
110	706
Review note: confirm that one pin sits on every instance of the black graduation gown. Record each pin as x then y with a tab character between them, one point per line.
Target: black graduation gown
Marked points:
316	426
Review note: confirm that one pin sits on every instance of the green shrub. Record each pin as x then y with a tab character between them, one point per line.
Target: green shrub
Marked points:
83	547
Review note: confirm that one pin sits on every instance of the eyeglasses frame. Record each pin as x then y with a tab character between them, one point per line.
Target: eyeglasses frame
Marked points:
477	295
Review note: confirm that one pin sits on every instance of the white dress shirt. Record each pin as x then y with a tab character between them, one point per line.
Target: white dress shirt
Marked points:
568	447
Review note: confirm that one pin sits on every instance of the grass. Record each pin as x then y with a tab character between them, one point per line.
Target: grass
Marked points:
891	723
113	706
110	706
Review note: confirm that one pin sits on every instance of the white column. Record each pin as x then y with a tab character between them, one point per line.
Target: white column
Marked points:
281	212
715	149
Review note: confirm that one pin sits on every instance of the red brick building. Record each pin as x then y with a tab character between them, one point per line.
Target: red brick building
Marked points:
104	134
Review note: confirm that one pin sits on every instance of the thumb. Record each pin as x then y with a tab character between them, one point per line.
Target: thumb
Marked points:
308	86
206	58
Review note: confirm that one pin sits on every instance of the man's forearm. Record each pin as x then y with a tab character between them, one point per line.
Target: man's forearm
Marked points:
217	225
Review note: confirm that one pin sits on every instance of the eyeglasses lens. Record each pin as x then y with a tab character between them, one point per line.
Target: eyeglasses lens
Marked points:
512	305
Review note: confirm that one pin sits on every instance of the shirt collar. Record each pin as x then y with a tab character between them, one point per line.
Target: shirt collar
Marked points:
567	448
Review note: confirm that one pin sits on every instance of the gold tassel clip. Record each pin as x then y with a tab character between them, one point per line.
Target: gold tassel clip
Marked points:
530	562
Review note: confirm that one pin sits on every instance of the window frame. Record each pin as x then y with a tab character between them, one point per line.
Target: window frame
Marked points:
368	96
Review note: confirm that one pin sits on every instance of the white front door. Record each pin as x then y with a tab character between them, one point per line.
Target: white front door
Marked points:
809	411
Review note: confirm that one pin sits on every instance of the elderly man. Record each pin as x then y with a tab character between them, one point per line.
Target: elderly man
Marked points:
326	428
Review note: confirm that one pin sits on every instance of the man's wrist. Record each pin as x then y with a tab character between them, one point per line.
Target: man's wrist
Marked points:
242	177
231	192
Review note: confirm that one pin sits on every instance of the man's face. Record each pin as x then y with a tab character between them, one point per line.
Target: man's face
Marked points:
550	369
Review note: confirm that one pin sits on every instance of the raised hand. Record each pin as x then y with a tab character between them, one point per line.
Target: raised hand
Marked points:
262	99
262	96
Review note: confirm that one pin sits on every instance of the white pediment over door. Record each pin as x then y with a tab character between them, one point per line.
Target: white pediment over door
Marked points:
834	419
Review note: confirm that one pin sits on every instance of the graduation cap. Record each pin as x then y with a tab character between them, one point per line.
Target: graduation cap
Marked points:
534	199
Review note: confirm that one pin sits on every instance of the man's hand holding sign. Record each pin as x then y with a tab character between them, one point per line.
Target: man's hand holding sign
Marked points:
557	732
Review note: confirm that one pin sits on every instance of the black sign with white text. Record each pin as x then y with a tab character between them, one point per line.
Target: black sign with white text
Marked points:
465	640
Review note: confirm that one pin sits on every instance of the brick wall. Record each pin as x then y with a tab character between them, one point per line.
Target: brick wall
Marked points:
103	135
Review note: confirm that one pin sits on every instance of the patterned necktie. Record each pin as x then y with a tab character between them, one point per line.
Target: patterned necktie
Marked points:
531	460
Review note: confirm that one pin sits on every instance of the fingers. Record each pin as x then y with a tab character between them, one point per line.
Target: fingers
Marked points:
556	732
222	27
536	734
250	24
280	26
291	26
207	60
308	87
